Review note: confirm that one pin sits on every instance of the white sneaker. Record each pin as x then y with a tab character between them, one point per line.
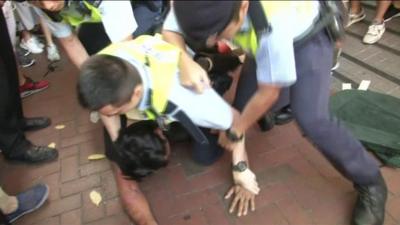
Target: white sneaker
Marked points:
375	32
31	46
52	53
37	41
354	18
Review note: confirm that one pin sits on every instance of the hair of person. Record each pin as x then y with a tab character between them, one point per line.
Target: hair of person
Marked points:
106	80
139	151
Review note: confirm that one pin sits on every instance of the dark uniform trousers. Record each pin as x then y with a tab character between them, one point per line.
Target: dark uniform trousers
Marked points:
12	138
309	99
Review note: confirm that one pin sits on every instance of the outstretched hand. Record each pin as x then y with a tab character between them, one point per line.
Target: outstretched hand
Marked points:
242	200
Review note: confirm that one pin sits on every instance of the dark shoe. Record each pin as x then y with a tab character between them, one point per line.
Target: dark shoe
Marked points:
266	123
36	154
391	13
283	116
35	123
177	133
29	201
370	205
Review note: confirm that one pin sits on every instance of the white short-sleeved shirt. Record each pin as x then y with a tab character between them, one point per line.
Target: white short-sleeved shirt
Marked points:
275	54
117	18
207	109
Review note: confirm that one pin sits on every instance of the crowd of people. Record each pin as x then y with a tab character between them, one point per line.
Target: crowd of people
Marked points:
143	77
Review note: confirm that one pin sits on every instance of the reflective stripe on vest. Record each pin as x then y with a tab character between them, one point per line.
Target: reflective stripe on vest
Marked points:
74	16
248	39
162	59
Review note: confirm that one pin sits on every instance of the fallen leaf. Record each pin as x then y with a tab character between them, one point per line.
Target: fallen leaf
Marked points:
94	117
95	197
60	127
52	145
96	157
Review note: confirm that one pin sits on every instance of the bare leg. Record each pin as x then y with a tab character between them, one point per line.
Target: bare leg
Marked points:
355	6
46	32
383	5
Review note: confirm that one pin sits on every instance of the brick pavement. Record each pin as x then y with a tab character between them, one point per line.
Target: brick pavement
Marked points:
298	185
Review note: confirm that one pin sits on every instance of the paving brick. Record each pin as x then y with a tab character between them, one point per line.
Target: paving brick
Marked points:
275	175
215	214
80	185
294	212
109	185
120	219
69	168
90	147
53	181
45	169
189	218
113	207
94	167
393	207
69	130
71	218
68	151
49	221
90	211
81	138
53	208
269	215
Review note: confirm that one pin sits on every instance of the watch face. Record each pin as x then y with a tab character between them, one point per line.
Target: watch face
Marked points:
241	166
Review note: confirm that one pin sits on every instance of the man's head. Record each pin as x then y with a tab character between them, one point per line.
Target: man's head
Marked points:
109	85
49	5
140	150
205	22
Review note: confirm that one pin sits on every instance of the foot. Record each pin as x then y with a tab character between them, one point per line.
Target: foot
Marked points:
25	61
336	58
374	33
31	87
283	116
52	53
35	123
267	122
370	205
29	201
36	154
355	17
31	45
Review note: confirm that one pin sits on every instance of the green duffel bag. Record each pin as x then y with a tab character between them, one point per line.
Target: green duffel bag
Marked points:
374	119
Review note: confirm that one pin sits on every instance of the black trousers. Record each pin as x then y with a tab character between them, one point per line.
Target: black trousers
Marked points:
12	138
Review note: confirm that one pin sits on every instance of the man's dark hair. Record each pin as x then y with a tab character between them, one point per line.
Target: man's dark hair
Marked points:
139	151
106	79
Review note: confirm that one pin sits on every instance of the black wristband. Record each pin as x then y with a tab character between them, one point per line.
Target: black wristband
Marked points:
232	136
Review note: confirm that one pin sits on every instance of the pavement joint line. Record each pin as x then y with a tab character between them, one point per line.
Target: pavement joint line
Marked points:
373	69
384	47
344	79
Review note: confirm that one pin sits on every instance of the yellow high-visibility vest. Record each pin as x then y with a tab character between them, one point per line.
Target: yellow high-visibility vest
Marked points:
162	59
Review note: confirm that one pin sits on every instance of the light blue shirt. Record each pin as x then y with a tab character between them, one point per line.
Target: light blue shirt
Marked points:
275	55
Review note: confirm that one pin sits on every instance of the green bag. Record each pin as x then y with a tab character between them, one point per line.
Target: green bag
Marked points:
374	119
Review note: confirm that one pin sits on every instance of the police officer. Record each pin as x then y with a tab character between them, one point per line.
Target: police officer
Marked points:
139	78
290	55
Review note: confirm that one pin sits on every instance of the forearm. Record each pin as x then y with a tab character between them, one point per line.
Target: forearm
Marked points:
133	199
178	41
262	101
112	125
74	49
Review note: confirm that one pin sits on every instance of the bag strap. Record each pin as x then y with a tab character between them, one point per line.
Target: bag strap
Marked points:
258	19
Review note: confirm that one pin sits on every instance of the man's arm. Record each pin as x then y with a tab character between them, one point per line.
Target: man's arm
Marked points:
132	197
74	49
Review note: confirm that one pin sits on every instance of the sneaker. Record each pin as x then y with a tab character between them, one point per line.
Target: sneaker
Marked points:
20	51
391	13
37	41
336	58
374	33
25	61
354	18
31	46
33	154
52	53
29	201
31	87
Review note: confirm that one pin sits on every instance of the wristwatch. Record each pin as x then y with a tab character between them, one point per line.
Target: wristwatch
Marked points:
240	166
232	136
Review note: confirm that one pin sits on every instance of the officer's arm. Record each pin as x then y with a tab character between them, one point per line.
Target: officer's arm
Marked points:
112	124
132	197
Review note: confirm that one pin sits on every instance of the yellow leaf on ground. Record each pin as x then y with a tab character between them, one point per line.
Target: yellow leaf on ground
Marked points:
95	197
52	145
60	127
96	157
